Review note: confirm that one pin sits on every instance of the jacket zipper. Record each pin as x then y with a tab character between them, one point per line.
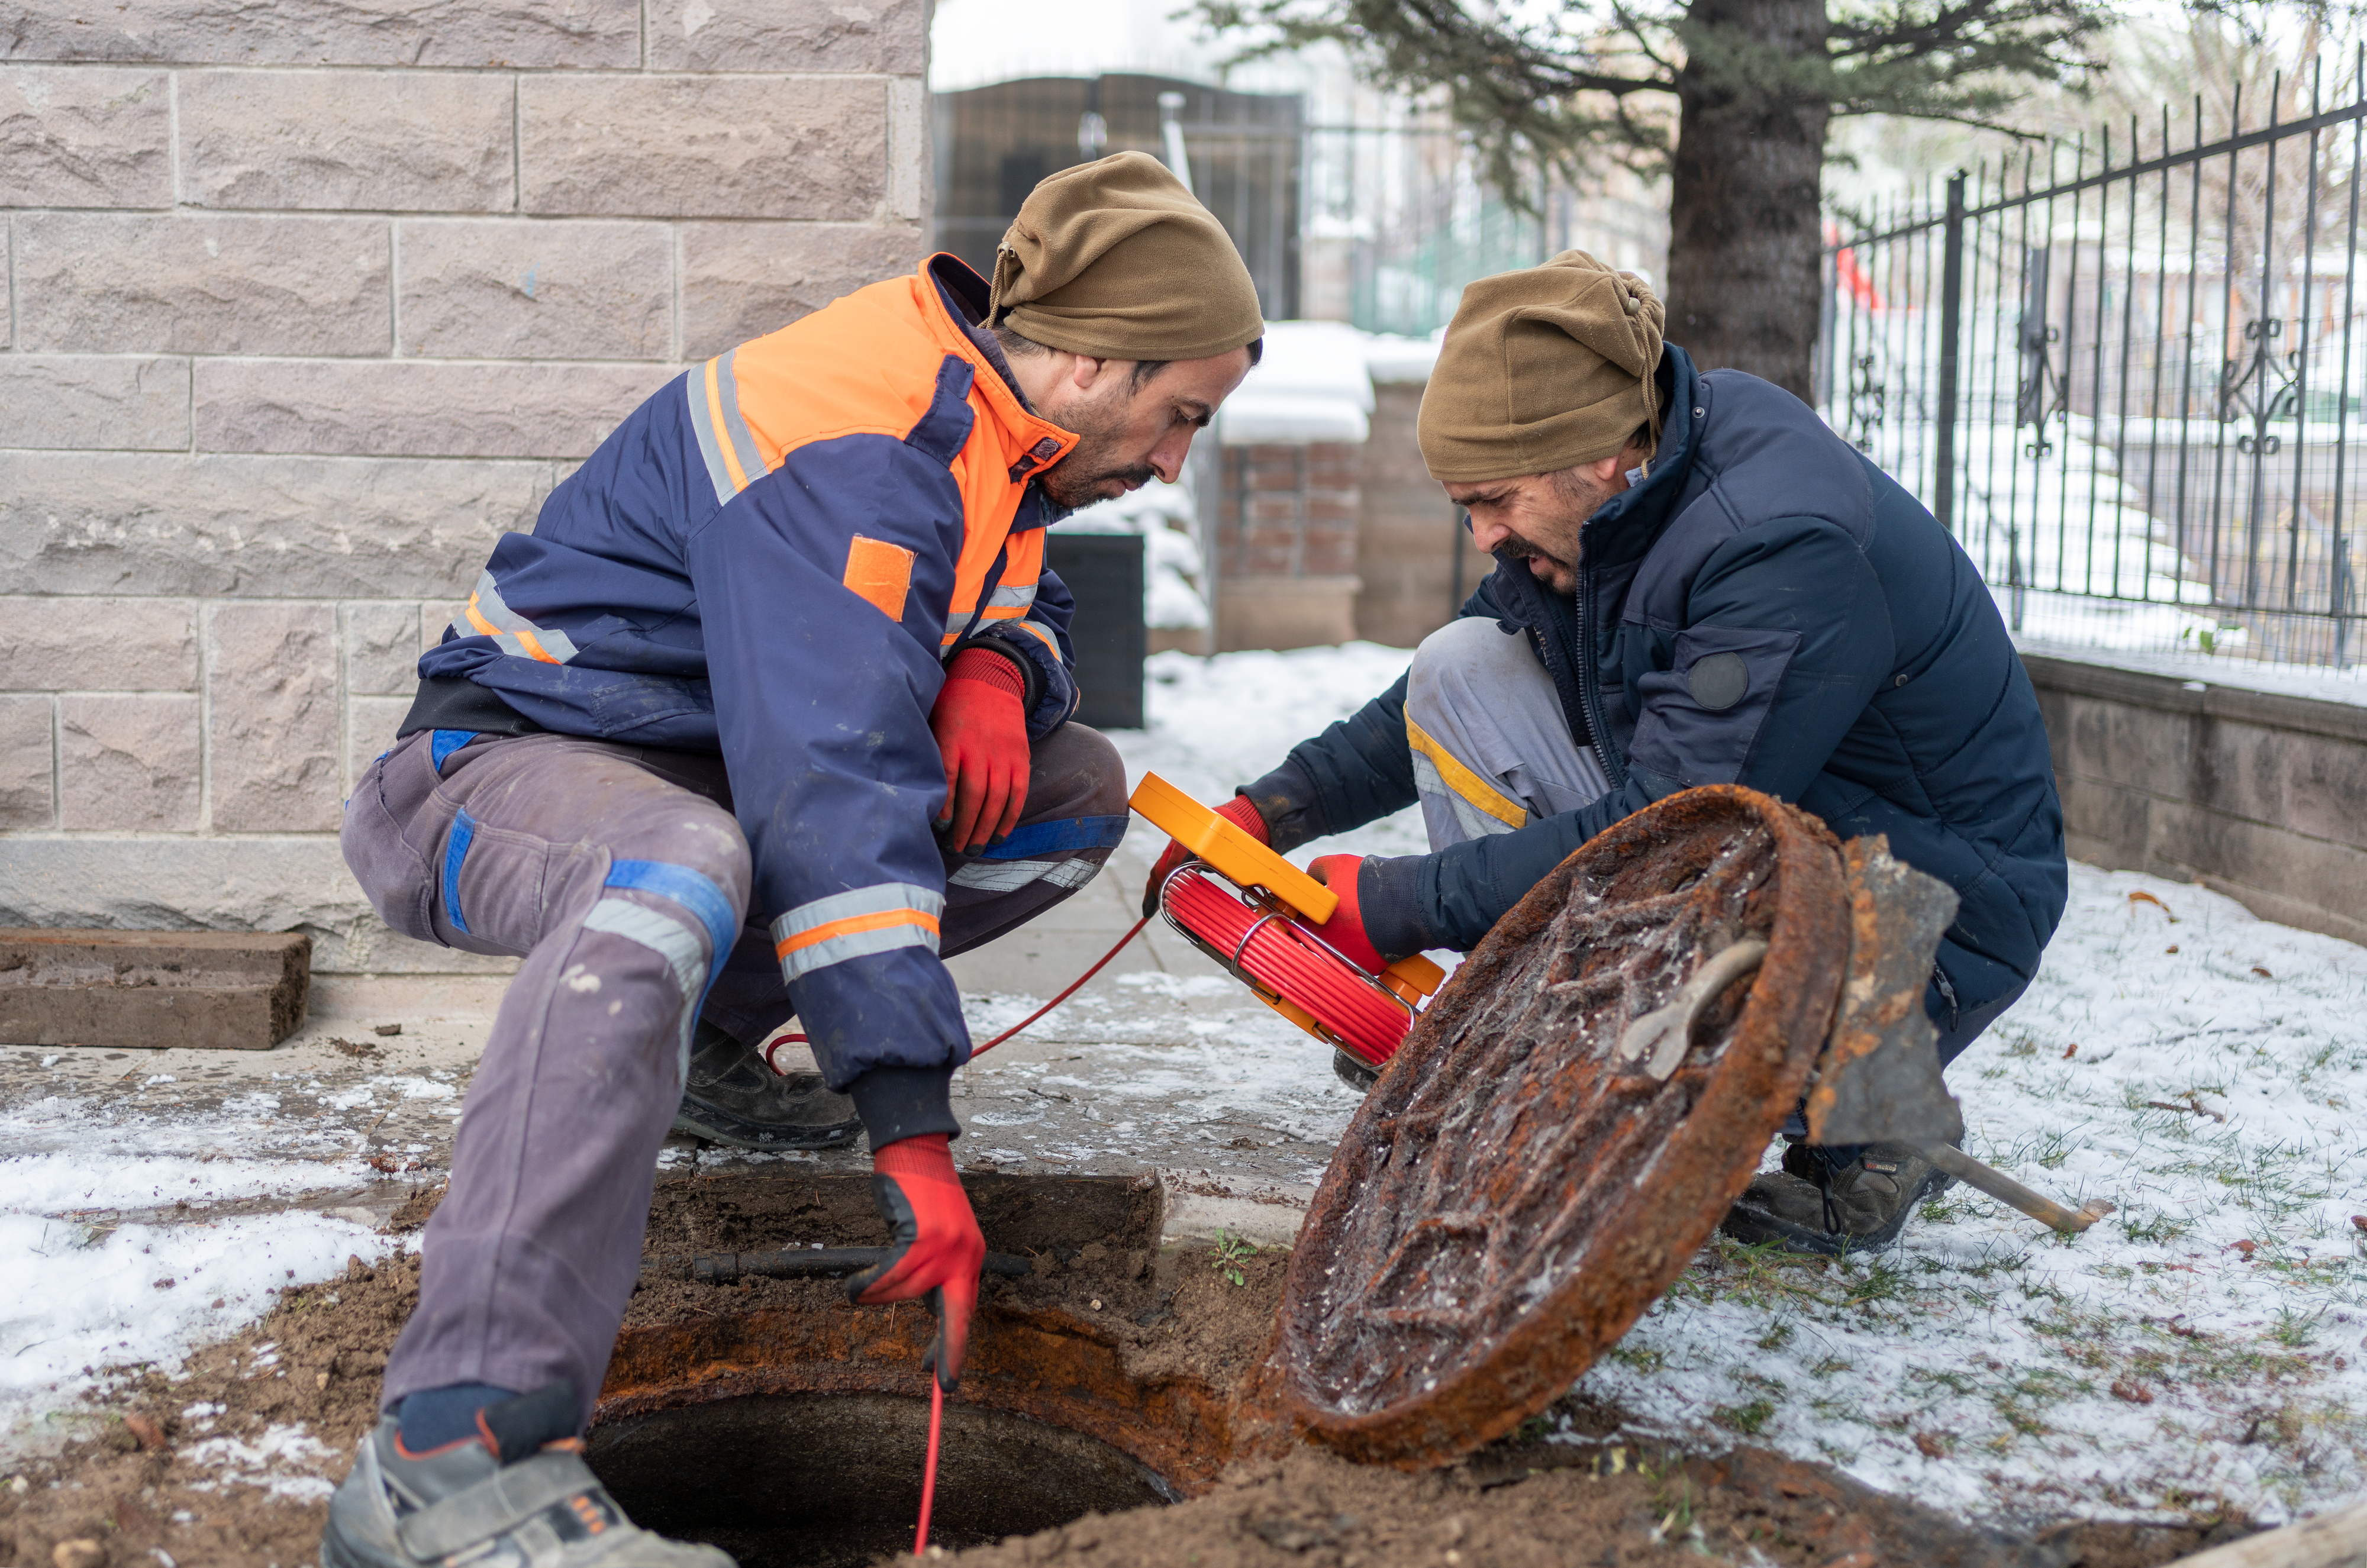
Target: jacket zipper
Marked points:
1606	750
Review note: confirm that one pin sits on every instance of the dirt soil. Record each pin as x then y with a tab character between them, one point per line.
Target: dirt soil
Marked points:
1555	1505
152	1479
155	1487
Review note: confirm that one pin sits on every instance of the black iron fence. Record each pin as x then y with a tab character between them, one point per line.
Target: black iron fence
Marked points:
2130	390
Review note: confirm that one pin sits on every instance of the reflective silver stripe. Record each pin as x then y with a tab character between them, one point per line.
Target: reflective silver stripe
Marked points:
507	623
922	906
1431	785
1010	875
683	950
956	622
735	429
695	387
1006	598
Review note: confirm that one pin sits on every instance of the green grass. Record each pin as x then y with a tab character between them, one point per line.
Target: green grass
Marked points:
1746	1419
2158	1228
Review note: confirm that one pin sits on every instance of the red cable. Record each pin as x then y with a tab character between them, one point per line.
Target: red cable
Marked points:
1064	996
1281	956
929	1470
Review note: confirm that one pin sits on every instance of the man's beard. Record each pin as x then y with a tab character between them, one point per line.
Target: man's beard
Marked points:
1073	484
1582	498
1079	477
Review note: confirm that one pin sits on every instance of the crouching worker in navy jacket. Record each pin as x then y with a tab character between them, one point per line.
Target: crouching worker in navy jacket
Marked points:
767	716
1697	584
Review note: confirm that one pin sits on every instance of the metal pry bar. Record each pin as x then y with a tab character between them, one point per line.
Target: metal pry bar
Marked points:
1665	1031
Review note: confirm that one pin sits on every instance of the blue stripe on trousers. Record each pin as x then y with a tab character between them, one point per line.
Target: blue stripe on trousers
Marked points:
455	850
1051	838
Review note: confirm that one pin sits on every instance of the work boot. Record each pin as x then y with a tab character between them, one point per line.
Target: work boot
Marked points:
517	1494
734	1097
1812	1205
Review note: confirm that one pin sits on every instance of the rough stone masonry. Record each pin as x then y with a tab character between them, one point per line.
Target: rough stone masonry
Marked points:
305	304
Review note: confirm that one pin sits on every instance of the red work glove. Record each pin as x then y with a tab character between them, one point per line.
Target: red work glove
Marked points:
980	723
937	1251
1238	811
1345	930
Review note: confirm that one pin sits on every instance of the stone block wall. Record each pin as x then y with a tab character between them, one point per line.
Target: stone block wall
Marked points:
1286	527
305	304
2260	796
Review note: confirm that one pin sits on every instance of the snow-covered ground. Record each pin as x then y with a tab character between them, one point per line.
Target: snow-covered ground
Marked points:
131	1236
2204	1346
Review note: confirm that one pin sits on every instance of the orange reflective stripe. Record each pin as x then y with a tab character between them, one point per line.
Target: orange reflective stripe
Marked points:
851	925
525	639
879	573
722	435
1051	643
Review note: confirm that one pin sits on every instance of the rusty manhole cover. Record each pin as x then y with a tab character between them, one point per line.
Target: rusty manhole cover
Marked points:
1513	1193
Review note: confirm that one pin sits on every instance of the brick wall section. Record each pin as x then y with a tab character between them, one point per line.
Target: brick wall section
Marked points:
1289	511
1414	557
303	306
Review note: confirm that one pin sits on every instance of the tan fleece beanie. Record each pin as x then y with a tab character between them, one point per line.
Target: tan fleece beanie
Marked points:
1542	369
1118	260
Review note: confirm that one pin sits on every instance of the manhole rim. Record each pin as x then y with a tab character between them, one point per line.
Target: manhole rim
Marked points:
1793	1000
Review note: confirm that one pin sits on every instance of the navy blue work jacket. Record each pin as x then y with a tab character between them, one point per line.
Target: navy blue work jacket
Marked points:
1883	693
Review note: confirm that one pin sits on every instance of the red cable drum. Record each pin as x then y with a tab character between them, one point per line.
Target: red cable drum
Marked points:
1280	957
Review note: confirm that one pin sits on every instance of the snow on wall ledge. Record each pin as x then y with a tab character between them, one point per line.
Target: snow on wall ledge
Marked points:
1315	384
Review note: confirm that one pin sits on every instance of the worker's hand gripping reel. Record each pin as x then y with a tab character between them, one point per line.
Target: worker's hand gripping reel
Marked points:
1249	909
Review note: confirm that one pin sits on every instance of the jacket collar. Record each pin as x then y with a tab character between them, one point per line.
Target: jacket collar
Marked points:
955	301
1624	527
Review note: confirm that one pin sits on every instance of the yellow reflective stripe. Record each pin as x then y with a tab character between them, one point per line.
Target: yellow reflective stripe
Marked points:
1464	782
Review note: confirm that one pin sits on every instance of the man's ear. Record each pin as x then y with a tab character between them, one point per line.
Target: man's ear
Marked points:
1085	372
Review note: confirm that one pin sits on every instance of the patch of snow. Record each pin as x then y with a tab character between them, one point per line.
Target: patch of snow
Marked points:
2204	1347
1312	384
285	1462
79	1297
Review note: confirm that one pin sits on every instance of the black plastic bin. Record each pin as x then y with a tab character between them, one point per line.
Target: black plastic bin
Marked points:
1104	573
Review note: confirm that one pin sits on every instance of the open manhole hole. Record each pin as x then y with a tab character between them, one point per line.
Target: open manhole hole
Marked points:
825	1480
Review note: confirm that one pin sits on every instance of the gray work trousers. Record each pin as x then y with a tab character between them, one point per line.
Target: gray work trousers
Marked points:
1493	752
616	871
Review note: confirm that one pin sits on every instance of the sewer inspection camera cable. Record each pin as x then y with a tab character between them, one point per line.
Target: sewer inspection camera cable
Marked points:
1277	955
936	1389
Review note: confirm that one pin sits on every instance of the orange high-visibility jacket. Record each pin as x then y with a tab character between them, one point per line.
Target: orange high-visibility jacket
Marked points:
772	558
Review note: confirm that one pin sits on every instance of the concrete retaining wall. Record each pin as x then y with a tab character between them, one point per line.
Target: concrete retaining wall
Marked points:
305	304
2258	796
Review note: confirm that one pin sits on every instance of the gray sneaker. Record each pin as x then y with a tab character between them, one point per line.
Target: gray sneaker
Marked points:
1810	1206
734	1097
526	1505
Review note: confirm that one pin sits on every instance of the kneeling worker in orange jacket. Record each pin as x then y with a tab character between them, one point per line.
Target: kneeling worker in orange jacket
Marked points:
768	714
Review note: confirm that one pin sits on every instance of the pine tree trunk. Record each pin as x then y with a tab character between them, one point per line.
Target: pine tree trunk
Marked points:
1744	225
